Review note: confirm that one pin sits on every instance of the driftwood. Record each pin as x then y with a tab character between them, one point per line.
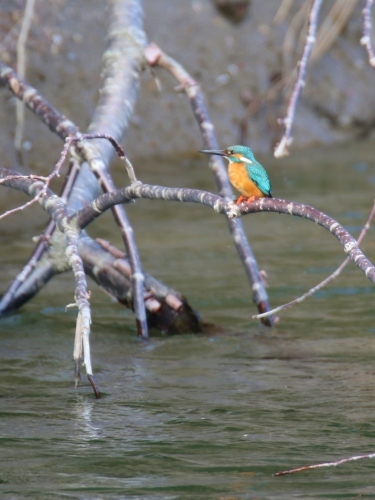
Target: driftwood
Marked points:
62	246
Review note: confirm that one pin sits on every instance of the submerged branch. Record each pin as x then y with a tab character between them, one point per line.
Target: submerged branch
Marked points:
325	464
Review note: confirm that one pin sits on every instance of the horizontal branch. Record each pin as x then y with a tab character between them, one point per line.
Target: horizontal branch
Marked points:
229	208
138	190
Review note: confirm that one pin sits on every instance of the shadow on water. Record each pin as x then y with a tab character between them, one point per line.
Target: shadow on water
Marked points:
210	416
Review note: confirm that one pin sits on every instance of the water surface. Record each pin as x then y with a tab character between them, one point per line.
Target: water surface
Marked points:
210	416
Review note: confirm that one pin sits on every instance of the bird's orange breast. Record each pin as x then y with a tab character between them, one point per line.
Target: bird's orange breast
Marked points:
239	177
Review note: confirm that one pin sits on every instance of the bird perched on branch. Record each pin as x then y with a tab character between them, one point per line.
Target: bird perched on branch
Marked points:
245	173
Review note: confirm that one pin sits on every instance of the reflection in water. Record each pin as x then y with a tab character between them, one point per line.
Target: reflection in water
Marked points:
85	429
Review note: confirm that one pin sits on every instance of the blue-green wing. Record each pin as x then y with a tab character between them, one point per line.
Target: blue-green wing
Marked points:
260	178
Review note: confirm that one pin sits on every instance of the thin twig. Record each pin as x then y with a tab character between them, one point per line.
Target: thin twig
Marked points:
46	180
367	29
21	207
325	464
21	68
323	283
286	140
80	137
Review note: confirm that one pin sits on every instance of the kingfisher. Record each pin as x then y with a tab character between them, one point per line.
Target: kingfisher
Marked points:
245	173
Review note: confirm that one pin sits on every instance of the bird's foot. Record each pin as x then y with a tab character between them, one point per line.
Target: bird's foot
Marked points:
242	199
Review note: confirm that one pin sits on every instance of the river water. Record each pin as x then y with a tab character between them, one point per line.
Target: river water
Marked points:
211	416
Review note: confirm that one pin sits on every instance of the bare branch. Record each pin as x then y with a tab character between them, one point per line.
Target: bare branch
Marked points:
323	283
63	127
286	140
90	212
81	137
106	201
325	464
367	29
56	122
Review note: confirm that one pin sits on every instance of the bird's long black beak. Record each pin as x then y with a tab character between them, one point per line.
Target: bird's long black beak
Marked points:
219	152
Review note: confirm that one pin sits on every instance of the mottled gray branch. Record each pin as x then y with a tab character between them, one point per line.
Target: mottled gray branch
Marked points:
123	62
56	122
63	127
230	209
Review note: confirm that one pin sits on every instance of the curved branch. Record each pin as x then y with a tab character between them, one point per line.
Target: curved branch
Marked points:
230	209
325	464
329	278
90	212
